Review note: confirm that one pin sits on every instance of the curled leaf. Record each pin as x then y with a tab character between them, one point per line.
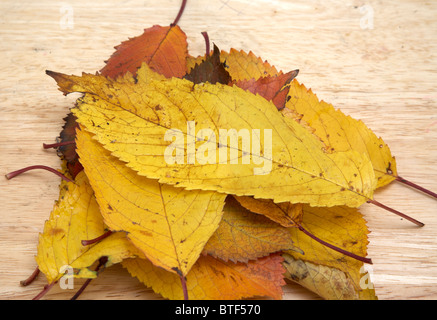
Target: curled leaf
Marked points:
328	282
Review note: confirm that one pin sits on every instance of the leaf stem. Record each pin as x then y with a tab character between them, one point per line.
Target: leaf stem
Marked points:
13	174
207	45
346	253
376	203
31	278
81	289
46	289
184	286
181	10
102	262
99	238
59	144
415	186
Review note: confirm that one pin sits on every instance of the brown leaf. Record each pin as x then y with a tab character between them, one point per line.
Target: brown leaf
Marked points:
68	152
210	70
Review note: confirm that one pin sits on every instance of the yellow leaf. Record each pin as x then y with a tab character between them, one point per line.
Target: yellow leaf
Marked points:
243	66
169	225
76	217
243	235
340	132
213	279
328	282
285	213
132	119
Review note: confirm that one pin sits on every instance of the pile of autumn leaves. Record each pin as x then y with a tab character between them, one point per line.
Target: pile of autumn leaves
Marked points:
225	232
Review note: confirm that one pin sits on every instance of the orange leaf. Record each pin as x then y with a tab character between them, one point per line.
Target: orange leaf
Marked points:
213	279
164	49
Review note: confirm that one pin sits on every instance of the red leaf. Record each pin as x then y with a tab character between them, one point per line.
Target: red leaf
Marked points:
270	87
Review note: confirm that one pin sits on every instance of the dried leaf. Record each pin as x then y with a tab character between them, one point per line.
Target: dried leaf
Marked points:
211	70
169	225
213	279
130	118
328	282
68	152
243	235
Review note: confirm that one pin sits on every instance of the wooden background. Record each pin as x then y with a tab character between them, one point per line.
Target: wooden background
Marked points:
375	60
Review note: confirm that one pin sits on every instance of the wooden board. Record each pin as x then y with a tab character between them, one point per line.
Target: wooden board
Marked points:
376	62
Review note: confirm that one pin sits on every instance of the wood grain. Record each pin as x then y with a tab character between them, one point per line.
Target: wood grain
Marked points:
385	75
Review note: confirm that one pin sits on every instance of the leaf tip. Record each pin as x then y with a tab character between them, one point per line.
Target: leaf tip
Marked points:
53	74
64	81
